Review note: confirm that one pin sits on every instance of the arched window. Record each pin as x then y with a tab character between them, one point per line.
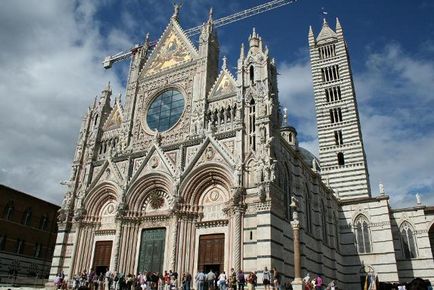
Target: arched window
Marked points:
27	216
43	222
252	74
341	159
96	120
336	222
252	125
431	238
324	222
363	237
8	211
308	210
408	242
3	239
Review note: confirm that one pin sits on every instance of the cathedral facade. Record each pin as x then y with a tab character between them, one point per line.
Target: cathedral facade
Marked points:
197	169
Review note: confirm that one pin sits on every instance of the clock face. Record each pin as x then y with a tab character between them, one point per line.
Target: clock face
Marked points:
165	110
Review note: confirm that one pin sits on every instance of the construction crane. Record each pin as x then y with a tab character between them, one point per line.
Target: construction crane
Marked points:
110	60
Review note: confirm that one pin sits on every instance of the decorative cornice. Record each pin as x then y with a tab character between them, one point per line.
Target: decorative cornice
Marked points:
105	232
212	224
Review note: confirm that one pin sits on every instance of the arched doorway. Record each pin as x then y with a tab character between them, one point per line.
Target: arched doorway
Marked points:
431	238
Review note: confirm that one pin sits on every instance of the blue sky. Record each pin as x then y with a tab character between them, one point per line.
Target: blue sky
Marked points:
50	54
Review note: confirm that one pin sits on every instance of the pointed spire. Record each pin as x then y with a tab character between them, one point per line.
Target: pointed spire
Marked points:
326	33
339	30
210	14
311	37
242	51
118	98
338	24
107	88
254	39
224	65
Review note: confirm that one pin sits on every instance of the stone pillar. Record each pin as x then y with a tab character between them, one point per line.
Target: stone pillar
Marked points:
174	237
297	284
116	246
236	263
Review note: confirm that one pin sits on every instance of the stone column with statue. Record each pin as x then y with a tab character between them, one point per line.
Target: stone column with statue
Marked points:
297	284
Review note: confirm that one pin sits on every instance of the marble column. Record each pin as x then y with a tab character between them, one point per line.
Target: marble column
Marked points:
116	246
236	262
297	284
174	237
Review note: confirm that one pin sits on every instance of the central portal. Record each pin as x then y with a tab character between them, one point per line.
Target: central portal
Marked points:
212	253
151	255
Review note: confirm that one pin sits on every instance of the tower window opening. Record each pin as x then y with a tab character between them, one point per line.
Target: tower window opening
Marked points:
96	120
333	94
330	73
251	235
327	51
338	137
335	115
252	74
341	160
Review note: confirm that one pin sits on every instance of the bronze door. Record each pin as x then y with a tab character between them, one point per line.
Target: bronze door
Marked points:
212	252
151	255
102	255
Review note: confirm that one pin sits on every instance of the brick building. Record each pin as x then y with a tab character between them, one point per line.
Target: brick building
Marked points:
27	237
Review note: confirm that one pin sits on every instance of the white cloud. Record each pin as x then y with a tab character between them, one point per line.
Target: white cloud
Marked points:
394	90
395	96
296	94
50	54
50	57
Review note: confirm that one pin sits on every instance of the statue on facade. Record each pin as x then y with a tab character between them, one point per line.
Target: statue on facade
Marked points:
121	209
79	214
418	199
294	205
381	187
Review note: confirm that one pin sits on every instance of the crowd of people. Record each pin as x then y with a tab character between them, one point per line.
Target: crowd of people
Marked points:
169	280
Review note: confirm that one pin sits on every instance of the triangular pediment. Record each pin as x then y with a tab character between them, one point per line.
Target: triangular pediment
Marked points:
115	118
173	49
154	161
210	151
108	172
326	33
224	85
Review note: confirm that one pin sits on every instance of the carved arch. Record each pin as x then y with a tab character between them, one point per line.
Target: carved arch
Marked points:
144	186
99	196
200	179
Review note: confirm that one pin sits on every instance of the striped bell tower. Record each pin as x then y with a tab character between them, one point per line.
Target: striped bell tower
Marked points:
342	156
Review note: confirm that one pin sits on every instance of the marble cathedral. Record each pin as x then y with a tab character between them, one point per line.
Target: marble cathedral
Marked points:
197	168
